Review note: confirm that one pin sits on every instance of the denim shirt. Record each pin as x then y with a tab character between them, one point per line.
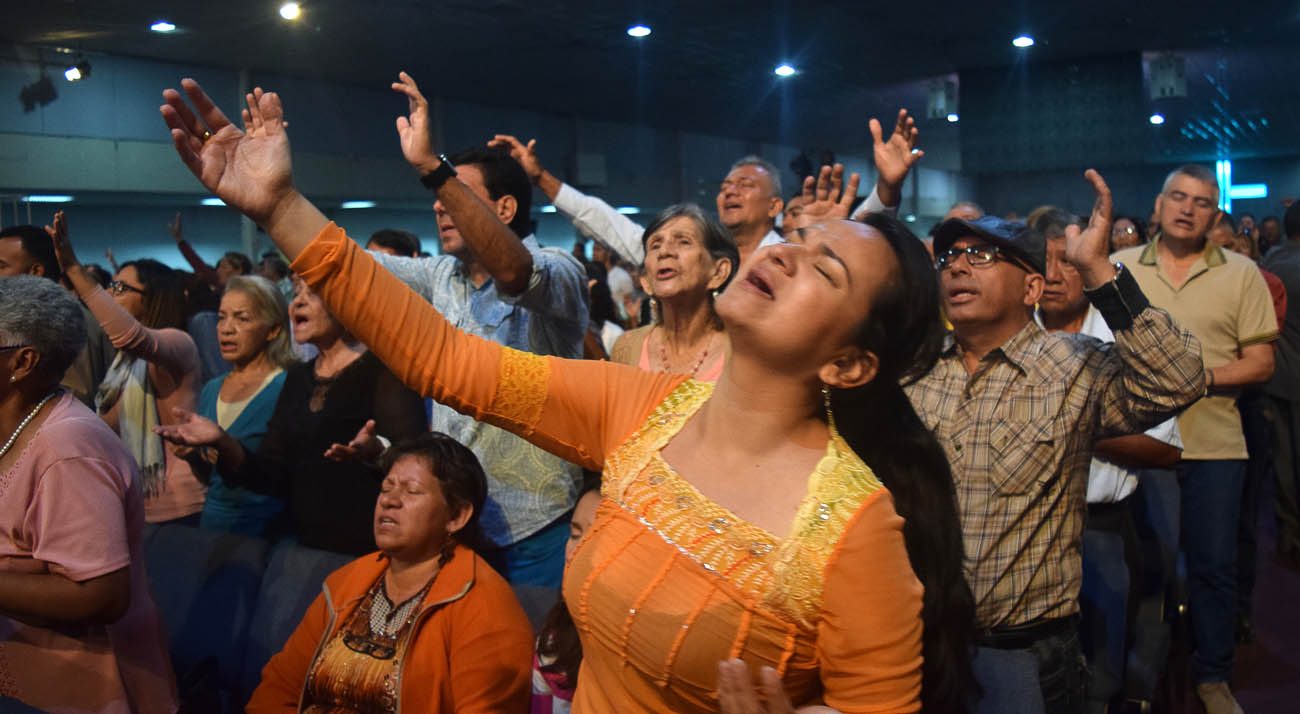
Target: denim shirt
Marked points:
528	488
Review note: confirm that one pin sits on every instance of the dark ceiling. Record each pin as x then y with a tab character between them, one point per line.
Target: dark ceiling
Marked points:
706	67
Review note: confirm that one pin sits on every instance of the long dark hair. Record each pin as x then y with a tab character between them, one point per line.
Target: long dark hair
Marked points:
164	296
877	420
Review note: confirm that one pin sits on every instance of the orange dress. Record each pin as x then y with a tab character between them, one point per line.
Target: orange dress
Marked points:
667	582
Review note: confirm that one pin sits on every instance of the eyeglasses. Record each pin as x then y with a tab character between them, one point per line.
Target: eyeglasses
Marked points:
979	256
1123	231
117	287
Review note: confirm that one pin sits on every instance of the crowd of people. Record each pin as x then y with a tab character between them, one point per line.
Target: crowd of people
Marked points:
784	457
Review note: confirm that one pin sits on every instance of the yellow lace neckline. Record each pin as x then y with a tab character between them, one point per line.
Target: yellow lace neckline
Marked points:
784	573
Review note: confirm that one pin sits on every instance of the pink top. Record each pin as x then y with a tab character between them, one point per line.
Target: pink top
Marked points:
174	370
710	372
71	505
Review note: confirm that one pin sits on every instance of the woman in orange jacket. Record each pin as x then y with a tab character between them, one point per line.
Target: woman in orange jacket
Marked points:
425	625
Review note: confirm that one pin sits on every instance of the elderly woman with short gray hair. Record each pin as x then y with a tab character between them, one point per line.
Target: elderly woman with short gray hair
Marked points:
74	600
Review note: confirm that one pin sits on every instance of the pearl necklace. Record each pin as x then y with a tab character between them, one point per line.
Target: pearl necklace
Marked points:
663	354
23	424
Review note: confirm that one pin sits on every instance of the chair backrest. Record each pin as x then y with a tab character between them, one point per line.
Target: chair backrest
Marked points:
205	584
292	581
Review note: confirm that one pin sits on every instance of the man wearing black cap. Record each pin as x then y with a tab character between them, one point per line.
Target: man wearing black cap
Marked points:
1017	410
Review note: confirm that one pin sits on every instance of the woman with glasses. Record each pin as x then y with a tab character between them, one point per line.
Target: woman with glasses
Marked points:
1126	232
79	632
156	371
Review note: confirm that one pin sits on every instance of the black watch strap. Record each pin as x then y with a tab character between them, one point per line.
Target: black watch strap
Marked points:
436	178
1120	300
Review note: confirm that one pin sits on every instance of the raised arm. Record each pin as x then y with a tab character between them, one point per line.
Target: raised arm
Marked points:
894	160
173	351
495	245
578	410
592	217
205	272
1154	368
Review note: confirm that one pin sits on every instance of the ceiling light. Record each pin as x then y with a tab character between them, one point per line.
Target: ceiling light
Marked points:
47	198
162	26
1157	119
953	118
629	210
1248	190
784	70
548	209
357	204
290	11
1023	41
78	71
213	201
638	31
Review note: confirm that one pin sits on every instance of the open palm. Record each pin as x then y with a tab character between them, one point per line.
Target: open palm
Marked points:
190	429
250	170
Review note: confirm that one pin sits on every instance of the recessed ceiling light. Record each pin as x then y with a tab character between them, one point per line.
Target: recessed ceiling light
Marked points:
290	11
549	209
162	26
213	201
639	31
784	70
629	210
357	204
953	118
1157	119
1023	41
48	198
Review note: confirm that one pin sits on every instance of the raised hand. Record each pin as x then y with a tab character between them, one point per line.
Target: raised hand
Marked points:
190	429
63	251
896	157
525	155
413	129
1088	250
250	169
365	446
828	196
174	228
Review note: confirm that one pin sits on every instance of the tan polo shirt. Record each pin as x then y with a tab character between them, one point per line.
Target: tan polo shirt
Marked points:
1226	305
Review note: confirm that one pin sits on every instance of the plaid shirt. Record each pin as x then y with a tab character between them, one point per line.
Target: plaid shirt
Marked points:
1019	434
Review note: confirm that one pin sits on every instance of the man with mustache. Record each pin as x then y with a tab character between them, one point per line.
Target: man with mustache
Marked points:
1017	410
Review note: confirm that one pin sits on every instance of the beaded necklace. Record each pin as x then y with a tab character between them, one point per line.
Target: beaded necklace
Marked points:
23	424
663	354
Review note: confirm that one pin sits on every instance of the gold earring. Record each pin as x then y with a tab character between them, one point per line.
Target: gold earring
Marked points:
826	402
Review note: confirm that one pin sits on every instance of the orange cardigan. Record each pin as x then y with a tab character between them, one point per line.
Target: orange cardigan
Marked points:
472	650
834	607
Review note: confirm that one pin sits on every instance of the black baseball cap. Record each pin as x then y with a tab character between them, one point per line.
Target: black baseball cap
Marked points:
1011	237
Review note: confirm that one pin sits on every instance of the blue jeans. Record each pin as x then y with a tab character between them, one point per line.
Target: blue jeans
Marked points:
1046	678
1211	496
535	560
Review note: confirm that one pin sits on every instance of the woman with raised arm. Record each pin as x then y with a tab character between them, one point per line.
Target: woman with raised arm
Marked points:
156	371
743	537
689	259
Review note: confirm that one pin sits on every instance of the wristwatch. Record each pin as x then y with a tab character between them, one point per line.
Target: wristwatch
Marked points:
436	178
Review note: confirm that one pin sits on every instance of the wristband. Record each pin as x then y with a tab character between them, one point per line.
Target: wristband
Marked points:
1120	300
436	178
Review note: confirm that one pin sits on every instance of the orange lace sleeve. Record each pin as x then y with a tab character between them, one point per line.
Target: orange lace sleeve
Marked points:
579	410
